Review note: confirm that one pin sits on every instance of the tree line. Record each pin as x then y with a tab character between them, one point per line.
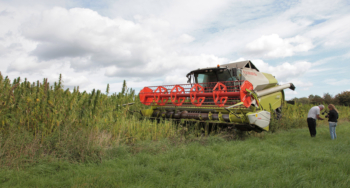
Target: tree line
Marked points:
342	98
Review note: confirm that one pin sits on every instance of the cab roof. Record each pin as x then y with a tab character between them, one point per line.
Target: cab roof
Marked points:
240	65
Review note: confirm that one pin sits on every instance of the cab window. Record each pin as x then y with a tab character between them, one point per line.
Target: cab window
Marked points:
213	77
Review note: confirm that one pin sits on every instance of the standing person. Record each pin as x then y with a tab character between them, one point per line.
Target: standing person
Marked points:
312	116
332	120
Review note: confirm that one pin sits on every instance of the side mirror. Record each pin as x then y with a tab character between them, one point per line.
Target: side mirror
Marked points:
234	72
189	79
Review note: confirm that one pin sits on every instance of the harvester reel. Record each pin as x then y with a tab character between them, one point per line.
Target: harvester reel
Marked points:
177	101
197	101
246	97
161	101
145	92
218	89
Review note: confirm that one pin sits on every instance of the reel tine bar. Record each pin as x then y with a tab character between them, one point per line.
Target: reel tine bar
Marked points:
198	94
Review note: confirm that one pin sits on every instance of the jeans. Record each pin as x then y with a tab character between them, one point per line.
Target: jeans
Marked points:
332	126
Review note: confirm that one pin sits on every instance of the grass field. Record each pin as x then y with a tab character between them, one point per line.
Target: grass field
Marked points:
50	137
283	159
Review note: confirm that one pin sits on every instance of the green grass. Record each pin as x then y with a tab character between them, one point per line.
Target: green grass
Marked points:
50	137
283	159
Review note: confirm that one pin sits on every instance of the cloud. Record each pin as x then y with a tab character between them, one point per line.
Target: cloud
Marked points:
336	82
289	92
301	84
332	33
82	32
70	81
346	55
26	64
274	46
175	79
5	13
2	49
154	43
168	65
141	48
182	14
288	73
185	38
285	71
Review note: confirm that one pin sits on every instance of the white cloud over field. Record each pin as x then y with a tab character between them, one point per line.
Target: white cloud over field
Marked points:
273	46
141	48
288	72
149	42
336	82
285	71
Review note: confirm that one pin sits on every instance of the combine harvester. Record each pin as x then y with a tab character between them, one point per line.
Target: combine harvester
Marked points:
236	95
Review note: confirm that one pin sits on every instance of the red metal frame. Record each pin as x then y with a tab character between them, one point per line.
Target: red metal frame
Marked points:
201	94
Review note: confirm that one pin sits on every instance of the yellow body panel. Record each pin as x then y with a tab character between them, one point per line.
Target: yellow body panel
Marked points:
272	80
272	101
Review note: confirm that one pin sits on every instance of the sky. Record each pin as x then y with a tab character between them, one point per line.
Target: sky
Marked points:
150	43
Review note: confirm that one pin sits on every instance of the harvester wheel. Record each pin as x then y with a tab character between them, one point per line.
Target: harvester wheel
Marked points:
177	101
197	101
218	89
157	98
278	113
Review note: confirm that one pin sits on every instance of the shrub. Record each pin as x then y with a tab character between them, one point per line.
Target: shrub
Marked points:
343	98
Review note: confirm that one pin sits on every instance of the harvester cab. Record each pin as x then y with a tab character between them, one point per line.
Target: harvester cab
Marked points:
235	94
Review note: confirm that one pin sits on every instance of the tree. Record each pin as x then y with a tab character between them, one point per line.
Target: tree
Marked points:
317	99
343	98
303	100
311	97
328	98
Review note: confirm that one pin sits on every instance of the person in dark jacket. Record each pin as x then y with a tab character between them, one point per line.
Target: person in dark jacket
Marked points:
332	120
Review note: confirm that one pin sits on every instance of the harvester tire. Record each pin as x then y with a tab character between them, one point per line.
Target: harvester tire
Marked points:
278	113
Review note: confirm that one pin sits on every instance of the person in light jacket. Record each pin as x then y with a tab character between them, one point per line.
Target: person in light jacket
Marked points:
314	113
332	120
